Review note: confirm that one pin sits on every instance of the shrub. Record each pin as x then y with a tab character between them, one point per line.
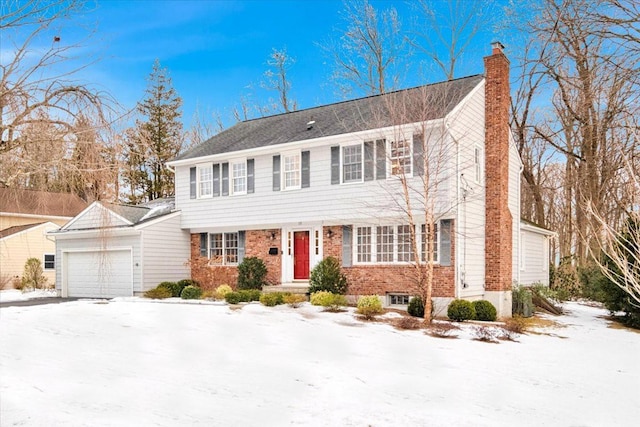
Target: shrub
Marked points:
251	273
408	323
327	276
516	325
158	293
232	298
485	311
294	300
33	276
191	292
442	330
248	295
566	282
369	306
186	282
460	310
486	334
221	291
172	287
521	301
331	302
593	283
416	307
272	299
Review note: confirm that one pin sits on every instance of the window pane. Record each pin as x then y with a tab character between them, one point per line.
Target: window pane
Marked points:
215	248
384	245
231	248
434	242
292	171
239	177
400	158
206	178
404	243
352	163
364	244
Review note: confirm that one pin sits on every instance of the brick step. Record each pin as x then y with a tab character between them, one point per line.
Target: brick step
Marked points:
292	288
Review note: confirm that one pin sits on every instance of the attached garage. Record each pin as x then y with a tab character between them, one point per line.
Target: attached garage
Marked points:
111	250
105	274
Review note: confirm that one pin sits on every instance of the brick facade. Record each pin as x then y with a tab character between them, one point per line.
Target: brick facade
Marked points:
499	223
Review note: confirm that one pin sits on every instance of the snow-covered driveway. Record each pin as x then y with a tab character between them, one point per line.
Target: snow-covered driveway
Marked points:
137	363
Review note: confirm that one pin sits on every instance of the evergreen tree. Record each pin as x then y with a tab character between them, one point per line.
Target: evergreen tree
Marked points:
156	138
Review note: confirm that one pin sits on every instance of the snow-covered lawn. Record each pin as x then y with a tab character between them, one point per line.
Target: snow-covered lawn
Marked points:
16	295
137	363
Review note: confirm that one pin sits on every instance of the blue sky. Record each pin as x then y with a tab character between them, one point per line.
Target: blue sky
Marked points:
216	51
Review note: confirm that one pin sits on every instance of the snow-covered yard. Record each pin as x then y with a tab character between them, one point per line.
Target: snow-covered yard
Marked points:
133	362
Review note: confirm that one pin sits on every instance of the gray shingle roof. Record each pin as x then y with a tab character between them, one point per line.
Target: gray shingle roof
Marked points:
405	106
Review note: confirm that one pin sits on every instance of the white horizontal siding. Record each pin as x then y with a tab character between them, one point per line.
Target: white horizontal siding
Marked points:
96	217
534	268
166	251
98	244
322	202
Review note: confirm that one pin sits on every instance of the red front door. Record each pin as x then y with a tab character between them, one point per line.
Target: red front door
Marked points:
300	255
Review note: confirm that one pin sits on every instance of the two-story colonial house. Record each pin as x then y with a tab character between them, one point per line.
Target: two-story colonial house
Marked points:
355	180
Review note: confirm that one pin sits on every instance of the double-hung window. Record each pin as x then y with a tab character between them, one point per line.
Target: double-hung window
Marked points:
223	248
291	173
239	177
388	244
352	163
425	238
400	157
49	261
205	181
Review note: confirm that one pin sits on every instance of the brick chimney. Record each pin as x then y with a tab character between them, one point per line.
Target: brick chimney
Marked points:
499	222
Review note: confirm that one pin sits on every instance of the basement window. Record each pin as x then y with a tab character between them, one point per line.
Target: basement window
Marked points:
398	299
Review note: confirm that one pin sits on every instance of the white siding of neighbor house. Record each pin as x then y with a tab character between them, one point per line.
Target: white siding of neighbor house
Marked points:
514	206
535	268
16	249
97	243
94	217
322	202
166	250
467	127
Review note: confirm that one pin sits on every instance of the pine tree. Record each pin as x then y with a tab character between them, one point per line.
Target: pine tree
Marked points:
156	138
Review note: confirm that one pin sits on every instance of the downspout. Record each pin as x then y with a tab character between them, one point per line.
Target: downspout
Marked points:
458	208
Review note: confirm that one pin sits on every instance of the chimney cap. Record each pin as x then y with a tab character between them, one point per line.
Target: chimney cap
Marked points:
497	47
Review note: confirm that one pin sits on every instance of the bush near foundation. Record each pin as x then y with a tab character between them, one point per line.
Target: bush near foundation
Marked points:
232	298
416	307
221	291
191	292
172	287
294	300
328	300
460	310
272	299
485	311
249	295
251	273
327	276
369	306
158	293
33	277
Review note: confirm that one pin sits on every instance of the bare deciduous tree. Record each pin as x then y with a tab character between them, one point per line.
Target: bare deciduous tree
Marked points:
277	79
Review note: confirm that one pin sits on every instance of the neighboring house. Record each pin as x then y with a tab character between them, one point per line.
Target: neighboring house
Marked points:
26	216
297	187
111	250
535	243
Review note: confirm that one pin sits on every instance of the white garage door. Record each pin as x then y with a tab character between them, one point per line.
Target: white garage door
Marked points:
103	274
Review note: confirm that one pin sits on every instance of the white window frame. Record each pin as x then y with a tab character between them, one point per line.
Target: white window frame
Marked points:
373	252
477	163
225	248
408	157
44	262
284	171
342	163
436	252
199	181
232	177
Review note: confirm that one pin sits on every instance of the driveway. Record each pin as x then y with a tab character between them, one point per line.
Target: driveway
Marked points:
36	301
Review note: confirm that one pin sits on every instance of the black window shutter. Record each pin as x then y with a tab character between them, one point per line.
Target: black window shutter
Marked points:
216	180
381	159
418	155
241	244
225	179
369	160
306	169
276	173
250	176
192	182
445	242
346	246
203	244
335	165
